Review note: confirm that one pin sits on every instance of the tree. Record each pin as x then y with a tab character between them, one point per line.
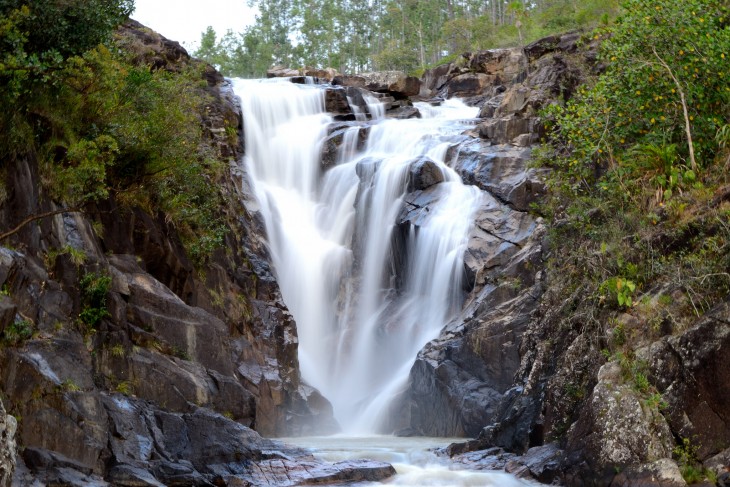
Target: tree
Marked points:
655	112
209	50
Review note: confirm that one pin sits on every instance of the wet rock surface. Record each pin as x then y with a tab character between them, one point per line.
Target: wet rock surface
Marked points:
151	447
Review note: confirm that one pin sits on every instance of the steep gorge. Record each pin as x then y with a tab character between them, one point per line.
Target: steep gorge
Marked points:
188	351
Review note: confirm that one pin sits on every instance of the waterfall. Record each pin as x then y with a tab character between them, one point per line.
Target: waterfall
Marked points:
364	306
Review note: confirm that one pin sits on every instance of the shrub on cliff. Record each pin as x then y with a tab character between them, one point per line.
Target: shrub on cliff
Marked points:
655	112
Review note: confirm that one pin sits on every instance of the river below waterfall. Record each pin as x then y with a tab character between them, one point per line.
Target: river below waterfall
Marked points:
415	462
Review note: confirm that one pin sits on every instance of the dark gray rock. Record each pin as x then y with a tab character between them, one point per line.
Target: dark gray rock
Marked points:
696	408
501	171
434	79
332	144
129	476
424	173
8	310
490	106
490	459
403	113
542	46
470	84
614	427
661	473
335	101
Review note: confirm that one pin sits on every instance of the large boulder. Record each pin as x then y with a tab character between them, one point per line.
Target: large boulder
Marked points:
615	429
504	172
281	72
424	173
396	83
471	84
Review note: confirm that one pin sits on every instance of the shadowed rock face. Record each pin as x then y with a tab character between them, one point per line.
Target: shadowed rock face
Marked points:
151	447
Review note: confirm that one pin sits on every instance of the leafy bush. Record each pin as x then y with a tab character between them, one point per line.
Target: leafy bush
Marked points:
654	114
94	291
18	332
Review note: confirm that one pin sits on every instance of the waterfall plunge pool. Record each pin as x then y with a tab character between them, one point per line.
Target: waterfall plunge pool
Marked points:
413	458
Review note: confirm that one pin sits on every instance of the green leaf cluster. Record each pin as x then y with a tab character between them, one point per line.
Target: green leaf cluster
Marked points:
94	291
18	332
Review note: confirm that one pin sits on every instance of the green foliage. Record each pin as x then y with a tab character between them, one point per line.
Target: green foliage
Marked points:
105	127
18	332
634	210
84	177
36	37
69	385
125	387
181	354
94	291
118	351
692	470
620	289
631	121
656	401
77	256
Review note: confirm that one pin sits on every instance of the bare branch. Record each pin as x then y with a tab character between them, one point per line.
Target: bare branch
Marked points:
38	216
687	126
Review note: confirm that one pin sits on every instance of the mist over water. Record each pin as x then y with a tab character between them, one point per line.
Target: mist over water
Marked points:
363	306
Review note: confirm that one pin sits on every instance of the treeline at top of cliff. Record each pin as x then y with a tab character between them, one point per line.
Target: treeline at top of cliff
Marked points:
374	35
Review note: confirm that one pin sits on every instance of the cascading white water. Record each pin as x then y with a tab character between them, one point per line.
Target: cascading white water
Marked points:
361	316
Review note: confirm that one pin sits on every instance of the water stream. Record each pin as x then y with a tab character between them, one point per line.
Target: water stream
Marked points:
363	307
414	460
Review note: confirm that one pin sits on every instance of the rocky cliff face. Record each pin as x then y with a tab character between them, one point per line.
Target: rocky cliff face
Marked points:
459	380
184	361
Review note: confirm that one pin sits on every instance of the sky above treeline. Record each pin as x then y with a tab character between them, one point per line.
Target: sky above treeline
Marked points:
185	20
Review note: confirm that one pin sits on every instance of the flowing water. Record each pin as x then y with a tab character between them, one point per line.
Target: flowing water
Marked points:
414	460
363	307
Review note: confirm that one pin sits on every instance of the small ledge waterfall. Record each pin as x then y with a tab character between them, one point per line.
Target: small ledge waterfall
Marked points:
366	293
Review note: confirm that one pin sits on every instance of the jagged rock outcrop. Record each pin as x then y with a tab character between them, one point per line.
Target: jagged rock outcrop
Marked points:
320	75
151	447
508	371
561	388
393	83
